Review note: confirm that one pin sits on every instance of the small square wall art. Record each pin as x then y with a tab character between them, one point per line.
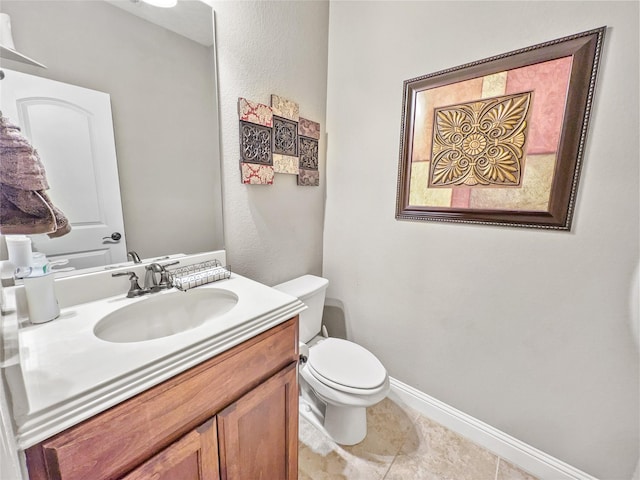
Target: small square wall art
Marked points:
285	136
254	174
255	112
275	139
309	175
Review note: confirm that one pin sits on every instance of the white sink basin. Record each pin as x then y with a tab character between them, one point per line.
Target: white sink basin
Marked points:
164	314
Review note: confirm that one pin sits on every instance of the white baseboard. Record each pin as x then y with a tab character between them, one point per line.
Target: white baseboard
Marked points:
524	456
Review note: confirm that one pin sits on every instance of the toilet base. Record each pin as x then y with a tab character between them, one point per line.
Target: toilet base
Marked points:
310	412
346	425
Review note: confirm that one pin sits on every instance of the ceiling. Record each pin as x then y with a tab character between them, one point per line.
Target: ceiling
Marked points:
190	18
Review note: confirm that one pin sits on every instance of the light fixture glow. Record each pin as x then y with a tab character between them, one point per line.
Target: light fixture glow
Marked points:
162	3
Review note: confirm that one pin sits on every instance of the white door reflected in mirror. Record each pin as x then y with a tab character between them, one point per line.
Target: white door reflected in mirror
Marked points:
72	129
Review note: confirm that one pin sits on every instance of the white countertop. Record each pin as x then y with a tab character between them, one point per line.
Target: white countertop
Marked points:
66	374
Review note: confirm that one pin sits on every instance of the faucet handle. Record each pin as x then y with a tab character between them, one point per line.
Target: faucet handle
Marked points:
134	288
165	275
150	282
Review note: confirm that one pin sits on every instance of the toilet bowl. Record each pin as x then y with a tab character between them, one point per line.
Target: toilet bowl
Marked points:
340	378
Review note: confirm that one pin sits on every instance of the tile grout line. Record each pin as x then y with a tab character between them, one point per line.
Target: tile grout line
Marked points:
404	440
389	469
497	467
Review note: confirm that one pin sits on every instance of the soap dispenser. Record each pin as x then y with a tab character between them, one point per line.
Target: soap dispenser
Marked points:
39	288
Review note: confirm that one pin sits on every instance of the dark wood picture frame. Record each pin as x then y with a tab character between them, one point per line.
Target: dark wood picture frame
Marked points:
584	50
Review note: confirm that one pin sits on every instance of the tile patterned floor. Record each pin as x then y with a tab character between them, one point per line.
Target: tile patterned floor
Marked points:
401	444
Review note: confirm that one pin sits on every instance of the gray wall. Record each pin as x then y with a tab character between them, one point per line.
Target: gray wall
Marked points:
526	330
162	95
272	232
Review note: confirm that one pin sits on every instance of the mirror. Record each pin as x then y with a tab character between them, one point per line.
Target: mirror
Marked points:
162	84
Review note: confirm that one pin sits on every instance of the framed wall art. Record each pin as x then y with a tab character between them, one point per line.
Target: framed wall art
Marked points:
501	140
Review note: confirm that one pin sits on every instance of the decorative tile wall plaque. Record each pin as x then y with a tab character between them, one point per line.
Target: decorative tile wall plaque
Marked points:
309	178
308	153
255	143
254	112
285	164
274	139
285	136
254	174
285	108
499	141
307	128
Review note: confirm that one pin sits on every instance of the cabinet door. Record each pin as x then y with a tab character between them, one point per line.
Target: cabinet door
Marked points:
258	434
193	457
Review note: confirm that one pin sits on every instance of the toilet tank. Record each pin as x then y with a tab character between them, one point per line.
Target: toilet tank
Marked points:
310	290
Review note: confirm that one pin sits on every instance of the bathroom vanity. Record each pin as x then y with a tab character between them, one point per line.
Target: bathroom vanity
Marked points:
218	401
242	403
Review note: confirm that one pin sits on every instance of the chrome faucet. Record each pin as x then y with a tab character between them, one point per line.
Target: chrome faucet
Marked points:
134	256
151	284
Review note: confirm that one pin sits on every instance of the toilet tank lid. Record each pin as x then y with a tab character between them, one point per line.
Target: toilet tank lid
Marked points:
303	286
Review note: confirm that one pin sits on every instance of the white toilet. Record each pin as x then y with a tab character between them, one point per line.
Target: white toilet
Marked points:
340	378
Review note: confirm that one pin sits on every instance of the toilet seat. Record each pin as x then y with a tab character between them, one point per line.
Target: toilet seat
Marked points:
346	366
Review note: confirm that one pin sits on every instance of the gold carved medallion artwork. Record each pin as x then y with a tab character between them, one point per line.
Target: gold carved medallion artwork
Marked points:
480	143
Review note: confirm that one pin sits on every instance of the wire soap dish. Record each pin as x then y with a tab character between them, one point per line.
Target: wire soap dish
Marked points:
191	276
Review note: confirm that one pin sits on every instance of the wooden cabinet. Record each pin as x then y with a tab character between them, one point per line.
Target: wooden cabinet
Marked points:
193	457
233	417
